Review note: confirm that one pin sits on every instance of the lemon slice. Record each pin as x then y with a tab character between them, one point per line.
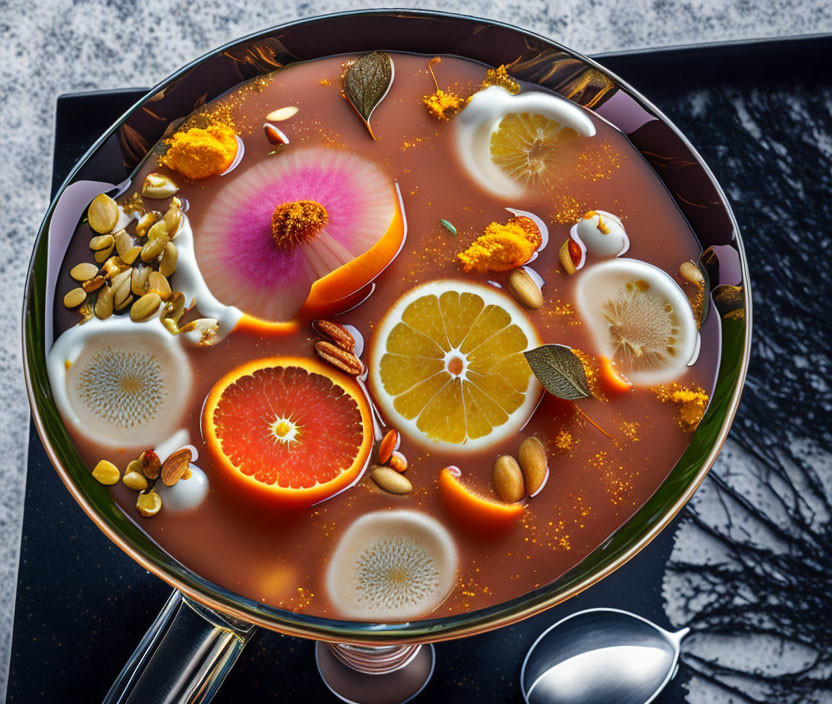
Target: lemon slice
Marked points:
640	318
513	143
447	365
526	147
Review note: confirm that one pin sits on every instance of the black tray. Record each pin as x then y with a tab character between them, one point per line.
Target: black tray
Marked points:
82	605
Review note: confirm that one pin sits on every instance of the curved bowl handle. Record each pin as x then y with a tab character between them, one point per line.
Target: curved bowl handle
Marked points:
184	656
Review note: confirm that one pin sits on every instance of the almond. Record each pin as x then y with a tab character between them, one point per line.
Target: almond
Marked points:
175	466
525	289
151	466
335	333
340	358
388	443
535	465
508	479
390	480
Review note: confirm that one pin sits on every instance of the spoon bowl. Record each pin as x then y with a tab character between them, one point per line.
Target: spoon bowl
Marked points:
598	656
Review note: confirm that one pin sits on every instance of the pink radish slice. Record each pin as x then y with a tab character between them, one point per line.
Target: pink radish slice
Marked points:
236	252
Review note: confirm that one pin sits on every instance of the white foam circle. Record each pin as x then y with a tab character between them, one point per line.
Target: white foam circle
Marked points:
639	317
392	566
119	383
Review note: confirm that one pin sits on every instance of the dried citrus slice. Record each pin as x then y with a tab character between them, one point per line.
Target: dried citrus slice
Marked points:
288	428
473	509
447	365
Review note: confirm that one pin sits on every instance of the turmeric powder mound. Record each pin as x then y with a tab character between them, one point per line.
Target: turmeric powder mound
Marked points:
502	247
443	105
199	153
691	401
499	77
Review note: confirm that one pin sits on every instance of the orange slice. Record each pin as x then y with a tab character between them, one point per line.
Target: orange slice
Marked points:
447	365
289	429
328	292
473	509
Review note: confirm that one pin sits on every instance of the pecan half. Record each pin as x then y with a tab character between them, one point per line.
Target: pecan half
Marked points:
340	358
334	333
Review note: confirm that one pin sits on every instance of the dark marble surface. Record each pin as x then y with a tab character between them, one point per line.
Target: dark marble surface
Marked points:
747	565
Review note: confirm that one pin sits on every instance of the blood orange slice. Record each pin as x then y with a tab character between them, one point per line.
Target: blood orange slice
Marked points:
290	429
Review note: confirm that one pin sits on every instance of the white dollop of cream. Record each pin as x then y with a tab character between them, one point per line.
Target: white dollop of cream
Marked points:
603	234
186	494
188	279
481	117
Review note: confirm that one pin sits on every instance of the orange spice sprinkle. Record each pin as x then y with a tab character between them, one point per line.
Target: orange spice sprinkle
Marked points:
599	162
499	77
564	441
592	368
568	210
441	104
629	429
690	400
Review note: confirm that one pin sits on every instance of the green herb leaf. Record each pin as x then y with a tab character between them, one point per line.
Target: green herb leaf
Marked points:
560	371
448	225
367	82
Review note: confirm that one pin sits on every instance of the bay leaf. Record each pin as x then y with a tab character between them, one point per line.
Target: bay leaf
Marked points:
367	81
560	371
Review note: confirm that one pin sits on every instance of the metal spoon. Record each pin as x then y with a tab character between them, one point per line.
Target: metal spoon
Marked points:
599	656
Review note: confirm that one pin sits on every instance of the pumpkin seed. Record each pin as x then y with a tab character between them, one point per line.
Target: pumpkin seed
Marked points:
138	280
124	304
158	284
158	186
145	221
83	272
152	249
121	288
104	254
104	303
113	267
131	254
100	242
102	214
75	297
124	243
95	283
158	231
145	307
173	217
170	326
168	264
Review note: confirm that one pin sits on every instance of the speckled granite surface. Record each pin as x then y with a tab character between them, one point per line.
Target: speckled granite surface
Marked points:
48	48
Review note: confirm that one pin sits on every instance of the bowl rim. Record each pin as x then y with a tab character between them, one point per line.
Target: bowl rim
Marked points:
431	629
